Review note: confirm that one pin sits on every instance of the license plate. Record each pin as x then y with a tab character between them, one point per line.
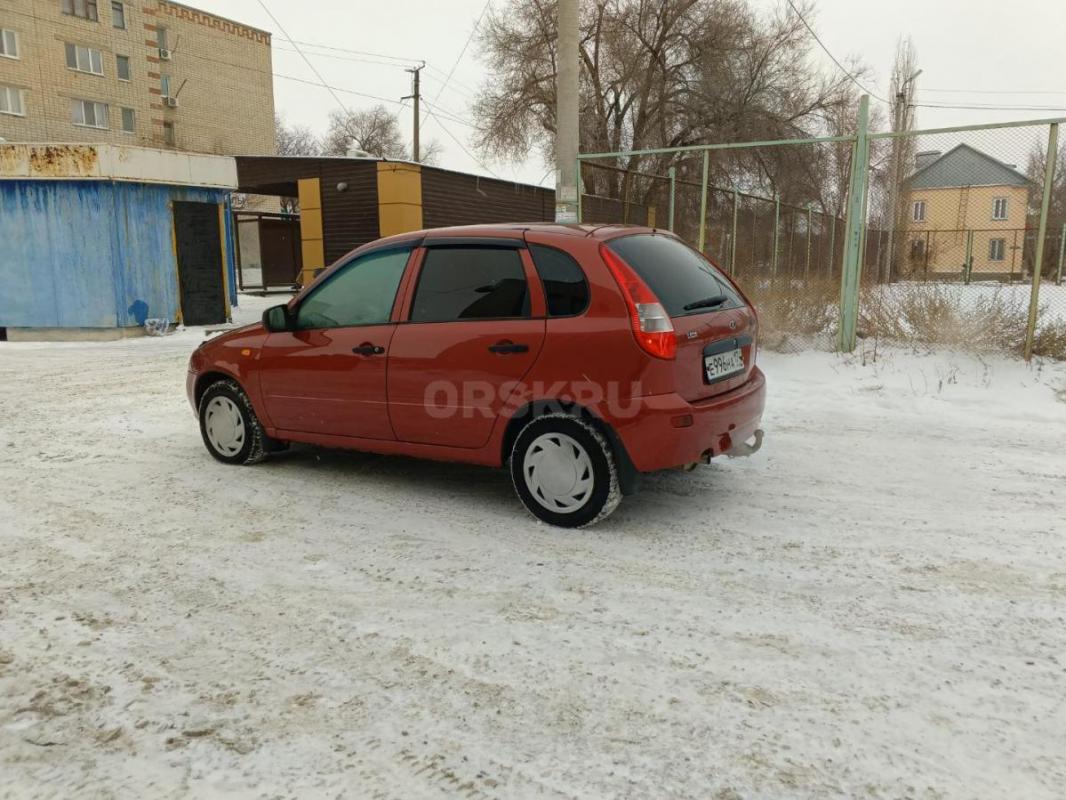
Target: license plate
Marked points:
721	365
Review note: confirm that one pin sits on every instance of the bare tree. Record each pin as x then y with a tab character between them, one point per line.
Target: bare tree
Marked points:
901	158
298	140
375	131
662	73
1056	227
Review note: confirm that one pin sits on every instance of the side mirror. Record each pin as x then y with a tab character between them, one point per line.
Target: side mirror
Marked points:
278	318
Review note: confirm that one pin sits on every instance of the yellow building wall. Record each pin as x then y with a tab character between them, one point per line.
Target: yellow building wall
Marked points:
399	198
951	212
312	246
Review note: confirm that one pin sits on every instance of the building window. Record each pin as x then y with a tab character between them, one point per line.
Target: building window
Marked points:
917	249
919	211
88	114
161	38
84	59
86	9
9	43
997	250
168	133
164	85
122	67
11	101
118	14
129	120
999	208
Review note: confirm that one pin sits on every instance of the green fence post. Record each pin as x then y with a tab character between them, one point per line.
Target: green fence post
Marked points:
777	237
853	230
832	244
672	172
703	198
733	241
1062	253
1038	263
967	266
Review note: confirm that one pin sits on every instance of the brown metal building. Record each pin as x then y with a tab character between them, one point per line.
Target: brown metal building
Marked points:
347	202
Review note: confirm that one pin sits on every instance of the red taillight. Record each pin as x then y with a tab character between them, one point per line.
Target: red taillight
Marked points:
651	324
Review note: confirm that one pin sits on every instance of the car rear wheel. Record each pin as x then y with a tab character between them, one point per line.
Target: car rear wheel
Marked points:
563	471
228	424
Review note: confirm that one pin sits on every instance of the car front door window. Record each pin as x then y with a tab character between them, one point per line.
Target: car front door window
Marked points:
360	293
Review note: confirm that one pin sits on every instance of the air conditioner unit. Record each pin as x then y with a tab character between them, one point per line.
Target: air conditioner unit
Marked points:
164	54
170	102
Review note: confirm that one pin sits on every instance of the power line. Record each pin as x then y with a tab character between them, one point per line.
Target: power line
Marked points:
357	52
311	66
397	64
461	145
450	116
840	66
338	89
988	107
462	52
995	91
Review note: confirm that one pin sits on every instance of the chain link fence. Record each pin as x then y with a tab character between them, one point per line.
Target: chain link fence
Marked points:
935	235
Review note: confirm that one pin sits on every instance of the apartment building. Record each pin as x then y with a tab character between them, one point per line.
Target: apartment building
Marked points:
152	73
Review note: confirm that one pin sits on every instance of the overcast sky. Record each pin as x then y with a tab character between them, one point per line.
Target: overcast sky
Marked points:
1004	54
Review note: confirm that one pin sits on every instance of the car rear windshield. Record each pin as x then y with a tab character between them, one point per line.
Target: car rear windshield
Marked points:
677	274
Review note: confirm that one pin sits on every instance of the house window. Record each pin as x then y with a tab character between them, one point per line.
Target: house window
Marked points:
917	249
999	208
168	133
11	101
88	114
919	211
118	15
997	250
9	43
129	120
86	9
161	38
122	67
164	85
84	59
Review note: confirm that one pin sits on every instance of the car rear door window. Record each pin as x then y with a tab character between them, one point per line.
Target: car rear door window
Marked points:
470	282
677	274
565	288
362	292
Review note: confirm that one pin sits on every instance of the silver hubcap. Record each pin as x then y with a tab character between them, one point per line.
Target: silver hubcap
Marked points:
224	425
558	473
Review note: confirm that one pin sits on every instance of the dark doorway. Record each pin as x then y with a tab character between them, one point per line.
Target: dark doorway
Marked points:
199	241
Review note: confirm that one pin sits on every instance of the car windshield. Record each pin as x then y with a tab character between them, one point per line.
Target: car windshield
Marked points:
683	280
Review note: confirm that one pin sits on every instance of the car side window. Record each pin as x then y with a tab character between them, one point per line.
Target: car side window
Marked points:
470	282
362	292
565	288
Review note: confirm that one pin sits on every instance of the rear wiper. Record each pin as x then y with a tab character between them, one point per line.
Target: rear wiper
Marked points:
706	302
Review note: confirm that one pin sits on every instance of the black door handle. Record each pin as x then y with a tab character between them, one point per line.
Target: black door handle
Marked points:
508	347
368	350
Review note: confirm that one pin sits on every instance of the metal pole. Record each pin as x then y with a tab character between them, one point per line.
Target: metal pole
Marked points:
1049	180
849	279
703	198
967	267
566	113
777	237
832	244
672	172
733	241
1062	253
810	232
577	172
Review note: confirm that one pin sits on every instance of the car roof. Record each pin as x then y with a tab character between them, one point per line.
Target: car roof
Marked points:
514	230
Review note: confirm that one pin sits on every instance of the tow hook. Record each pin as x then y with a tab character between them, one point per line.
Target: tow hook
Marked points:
742	449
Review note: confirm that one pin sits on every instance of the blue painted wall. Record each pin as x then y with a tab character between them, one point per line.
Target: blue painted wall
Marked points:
92	254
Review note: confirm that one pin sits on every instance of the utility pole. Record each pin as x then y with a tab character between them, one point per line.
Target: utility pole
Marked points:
416	97
566	114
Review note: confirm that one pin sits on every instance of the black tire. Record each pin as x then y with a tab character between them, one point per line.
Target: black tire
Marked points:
252	446
597	501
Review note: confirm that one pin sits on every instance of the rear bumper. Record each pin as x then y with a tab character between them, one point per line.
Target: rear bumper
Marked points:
719	424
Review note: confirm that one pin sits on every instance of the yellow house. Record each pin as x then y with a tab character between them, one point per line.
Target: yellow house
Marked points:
965	203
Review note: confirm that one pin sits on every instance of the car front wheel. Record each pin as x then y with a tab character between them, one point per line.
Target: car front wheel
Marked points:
229	427
563	471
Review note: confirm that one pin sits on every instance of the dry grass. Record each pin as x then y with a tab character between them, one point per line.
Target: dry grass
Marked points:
794	314
951	315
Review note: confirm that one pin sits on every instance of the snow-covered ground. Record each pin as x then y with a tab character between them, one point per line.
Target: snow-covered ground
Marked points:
873	606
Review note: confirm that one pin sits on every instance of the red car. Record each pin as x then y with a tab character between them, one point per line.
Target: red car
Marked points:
581	355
